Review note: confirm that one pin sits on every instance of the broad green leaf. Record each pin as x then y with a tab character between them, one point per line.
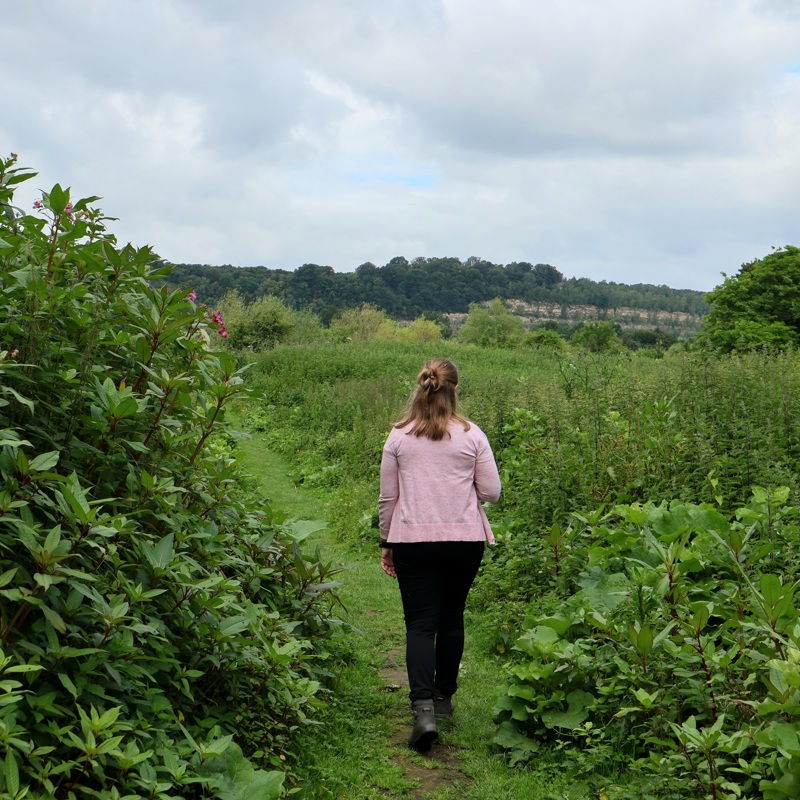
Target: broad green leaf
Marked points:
68	684
19	398
17	668
54	619
302	529
160	555
641	638
107	745
27	536
11	773
608	593
558	624
9	438
44	461
218	746
76	498
702	613
8	576
165	550
232	625
108	718
646	698
52	540
783	736
709	519
669	524
237	779
58	199
578	705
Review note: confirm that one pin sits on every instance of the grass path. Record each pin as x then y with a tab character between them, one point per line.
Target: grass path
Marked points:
359	753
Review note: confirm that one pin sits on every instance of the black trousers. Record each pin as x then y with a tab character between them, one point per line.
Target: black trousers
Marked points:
434	579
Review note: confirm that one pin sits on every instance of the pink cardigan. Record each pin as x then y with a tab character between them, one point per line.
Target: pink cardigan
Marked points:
431	491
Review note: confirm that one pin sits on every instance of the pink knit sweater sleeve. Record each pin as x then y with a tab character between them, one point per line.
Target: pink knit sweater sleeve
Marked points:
390	491
487	478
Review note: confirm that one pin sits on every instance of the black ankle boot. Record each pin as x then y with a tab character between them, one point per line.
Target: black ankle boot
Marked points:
424	732
442	706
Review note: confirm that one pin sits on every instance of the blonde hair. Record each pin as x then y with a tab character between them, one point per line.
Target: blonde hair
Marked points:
433	403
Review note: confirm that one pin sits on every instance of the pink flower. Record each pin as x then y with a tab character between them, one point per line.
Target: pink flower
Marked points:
217	317
193	296
38	205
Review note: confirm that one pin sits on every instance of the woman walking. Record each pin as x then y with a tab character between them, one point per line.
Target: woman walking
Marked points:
436	469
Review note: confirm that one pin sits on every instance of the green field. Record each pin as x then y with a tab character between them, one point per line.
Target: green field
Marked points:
646	554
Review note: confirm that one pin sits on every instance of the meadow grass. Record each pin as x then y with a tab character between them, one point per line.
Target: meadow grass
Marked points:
571	433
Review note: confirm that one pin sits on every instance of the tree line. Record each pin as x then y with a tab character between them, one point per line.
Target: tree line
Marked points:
406	289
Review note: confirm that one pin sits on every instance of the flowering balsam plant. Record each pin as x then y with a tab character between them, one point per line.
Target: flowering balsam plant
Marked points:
217	317
160	633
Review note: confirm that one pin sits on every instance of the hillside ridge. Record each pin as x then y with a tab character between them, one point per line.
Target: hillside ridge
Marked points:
447	287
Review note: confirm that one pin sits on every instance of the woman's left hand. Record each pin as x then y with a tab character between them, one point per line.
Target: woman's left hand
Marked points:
387	562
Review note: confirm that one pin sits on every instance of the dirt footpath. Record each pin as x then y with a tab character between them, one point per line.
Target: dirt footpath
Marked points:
437	769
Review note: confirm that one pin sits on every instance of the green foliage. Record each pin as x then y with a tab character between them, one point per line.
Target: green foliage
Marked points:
597	337
420	330
687	427
655	341
757	308
492	326
670	647
257	325
405	289
160	634
544	339
361	324
688	435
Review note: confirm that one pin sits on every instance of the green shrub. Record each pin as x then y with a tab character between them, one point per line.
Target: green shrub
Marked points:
494	326
160	635
597	337
256	325
667	653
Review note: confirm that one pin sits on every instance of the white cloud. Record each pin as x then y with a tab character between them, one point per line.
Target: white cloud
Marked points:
624	140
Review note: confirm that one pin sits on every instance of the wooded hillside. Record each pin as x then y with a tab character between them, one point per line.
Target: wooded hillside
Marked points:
405	289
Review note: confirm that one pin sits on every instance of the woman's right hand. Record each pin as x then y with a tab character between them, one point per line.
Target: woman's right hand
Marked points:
387	562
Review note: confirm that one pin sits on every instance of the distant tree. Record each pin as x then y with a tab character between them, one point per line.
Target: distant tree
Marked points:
442	322
758	307
313	286
652	339
307	328
259	325
361	324
547	275
597	337
544	339
517	270
494	326
421	330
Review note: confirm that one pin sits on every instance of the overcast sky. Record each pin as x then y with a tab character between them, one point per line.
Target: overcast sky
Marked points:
637	141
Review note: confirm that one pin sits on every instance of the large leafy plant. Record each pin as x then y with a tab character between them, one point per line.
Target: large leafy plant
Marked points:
160	634
669	651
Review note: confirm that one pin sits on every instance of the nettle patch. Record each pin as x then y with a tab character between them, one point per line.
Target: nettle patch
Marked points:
160	633
669	658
